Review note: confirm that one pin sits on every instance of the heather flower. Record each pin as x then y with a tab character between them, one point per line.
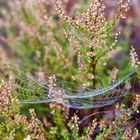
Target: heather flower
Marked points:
73	123
134	58
5	97
93	32
91	129
56	93
33	126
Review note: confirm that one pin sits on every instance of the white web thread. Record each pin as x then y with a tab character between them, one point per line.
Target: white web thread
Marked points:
30	91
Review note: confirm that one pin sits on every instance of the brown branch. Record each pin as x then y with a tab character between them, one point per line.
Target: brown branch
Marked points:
94	72
95	113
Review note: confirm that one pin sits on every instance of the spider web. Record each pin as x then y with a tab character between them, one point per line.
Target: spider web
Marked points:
29	91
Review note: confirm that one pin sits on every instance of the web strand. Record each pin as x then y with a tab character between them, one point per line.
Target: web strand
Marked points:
29	91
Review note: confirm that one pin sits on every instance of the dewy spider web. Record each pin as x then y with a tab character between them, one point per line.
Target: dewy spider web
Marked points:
30	91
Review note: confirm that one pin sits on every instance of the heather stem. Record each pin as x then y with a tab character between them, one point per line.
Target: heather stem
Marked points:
93	69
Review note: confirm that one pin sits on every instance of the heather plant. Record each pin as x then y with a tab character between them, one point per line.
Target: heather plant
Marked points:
92	38
77	50
15	125
39	33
